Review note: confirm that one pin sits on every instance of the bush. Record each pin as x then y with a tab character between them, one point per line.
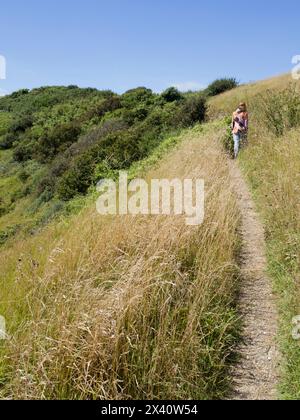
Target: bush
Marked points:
57	140
21	124
23	151
119	150
135	115
192	111
78	179
228	138
171	95
23	176
95	135
136	97
19	93
5	121
220	86
108	105
50	180
7	141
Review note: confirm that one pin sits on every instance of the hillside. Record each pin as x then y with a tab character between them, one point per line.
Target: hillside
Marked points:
56	143
271	165
143	307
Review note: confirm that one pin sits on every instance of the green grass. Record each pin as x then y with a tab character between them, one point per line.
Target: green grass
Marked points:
271	164
166	325
271	167
5	119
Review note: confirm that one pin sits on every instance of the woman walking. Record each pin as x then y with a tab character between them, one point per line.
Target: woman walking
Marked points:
240	121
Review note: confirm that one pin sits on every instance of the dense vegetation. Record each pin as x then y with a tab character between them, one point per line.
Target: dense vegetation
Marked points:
112	307
144	308
220	86
57	142
127	307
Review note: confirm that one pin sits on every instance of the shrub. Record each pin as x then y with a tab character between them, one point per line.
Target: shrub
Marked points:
192	111
57	140
19	93
49	181
95	135
221	85
171	95
5	121
23	151
21	124
135	115
108	105
119	150
78	179
23	175
228	138
136	97
7	141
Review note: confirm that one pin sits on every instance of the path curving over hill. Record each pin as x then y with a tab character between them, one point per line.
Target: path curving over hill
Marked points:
255	377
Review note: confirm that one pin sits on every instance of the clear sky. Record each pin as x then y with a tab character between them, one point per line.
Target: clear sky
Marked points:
121	44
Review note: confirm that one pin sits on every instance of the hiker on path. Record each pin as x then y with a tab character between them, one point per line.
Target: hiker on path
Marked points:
239	126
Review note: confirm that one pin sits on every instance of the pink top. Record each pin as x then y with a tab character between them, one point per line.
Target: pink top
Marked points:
240	122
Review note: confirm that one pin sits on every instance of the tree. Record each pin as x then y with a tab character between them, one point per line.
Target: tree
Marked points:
221	85
171	95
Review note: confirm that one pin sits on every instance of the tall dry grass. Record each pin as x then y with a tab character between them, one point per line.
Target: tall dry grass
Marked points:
271	163
127	308
272	166
224	105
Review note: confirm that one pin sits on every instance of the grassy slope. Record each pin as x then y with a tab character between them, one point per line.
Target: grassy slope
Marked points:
62	140
92	301
272	166
127	307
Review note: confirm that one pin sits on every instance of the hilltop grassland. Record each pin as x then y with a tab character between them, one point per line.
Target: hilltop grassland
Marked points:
227	102
128	307
271	163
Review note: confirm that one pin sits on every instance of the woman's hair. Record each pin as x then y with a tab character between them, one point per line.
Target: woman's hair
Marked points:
243	106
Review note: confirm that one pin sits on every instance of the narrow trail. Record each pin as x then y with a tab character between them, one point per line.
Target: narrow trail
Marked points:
255	377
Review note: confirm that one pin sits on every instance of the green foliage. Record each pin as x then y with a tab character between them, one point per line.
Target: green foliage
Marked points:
8	233
29	102
21	123
3	208
7	141
57	141
172	94
24	151
228	137
78	179
5	120
138	96
280	110
220	86
192	111
67	138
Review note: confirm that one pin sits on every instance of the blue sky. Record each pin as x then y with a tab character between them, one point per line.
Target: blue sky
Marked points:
121	44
